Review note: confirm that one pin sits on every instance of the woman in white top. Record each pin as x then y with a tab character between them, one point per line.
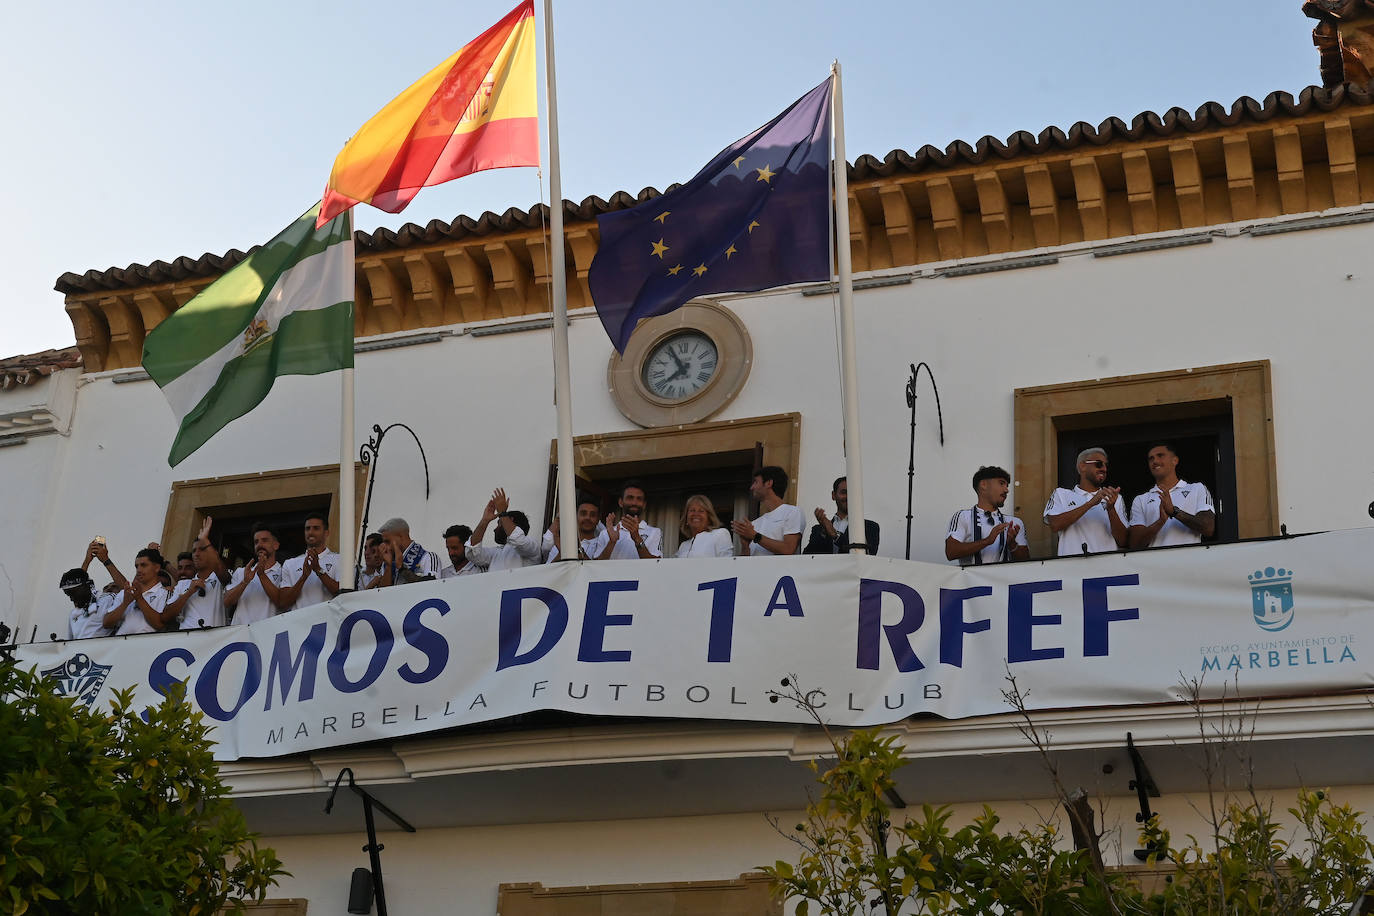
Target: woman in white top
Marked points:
702	533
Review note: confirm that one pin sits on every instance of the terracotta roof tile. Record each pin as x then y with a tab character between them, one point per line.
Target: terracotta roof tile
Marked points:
1143	126
16	371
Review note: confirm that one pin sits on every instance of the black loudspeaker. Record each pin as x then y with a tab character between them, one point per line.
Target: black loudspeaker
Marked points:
360	892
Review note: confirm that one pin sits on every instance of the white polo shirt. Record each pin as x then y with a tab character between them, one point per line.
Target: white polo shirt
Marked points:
1187	497
134	622
313	591
714	543
86	622
519	550
591	546
254	605
1093	528
209	608
469	569
625	548
784	520
973	524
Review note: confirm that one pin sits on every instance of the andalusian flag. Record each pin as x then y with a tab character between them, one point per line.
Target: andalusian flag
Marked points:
285	309
477	110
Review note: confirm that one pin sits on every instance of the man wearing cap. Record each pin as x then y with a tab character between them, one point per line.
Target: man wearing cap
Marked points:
88	612
1090	518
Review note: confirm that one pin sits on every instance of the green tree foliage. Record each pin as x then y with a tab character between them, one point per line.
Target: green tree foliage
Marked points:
104	812
854	861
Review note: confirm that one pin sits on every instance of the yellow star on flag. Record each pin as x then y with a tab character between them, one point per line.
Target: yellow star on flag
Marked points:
752	226
659	248
699	270
662	216
738	160
766	174
673	271
730	251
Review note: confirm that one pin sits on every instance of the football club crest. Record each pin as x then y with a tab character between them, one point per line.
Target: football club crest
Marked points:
78	677
1271	598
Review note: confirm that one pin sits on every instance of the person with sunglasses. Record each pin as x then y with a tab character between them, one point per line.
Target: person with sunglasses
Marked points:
1090	518
983	534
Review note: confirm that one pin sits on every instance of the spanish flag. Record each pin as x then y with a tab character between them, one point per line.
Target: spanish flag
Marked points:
477	110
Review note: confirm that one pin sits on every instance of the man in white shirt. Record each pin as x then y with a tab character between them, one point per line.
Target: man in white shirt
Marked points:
198	601
404	560
778	531
515	546
592	536
254	592
456	543
313	577
630	537
140	609
982	534
1090	518
87	615
1173	511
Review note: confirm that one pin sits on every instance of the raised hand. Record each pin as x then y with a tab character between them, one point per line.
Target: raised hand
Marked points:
612	529
204	534
500	501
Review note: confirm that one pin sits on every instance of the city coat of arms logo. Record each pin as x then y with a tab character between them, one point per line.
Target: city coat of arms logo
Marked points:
78	677
1271	598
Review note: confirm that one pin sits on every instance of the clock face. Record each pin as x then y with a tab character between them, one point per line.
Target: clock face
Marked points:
681	365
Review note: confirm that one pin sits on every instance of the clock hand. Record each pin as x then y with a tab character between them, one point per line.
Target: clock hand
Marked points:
681	366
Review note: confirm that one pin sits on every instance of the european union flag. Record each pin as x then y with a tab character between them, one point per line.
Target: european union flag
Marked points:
757	216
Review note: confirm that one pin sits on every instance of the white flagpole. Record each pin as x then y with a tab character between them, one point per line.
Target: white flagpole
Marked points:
348	525
562	374
848	361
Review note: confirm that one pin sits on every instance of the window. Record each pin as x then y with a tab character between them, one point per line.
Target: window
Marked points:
1219	417
278	498
715	459
748	895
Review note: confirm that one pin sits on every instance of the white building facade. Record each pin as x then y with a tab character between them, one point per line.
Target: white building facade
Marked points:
1208	284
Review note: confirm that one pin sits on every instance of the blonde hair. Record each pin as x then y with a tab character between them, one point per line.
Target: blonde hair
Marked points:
712	520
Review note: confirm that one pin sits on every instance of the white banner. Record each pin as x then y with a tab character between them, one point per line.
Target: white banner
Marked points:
876	639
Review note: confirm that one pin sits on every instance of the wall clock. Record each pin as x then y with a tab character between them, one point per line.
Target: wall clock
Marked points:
682	367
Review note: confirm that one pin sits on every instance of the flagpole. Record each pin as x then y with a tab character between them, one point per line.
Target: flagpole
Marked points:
562	374
348	525
849	370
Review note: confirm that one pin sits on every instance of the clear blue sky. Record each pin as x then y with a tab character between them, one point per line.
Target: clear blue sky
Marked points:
146	130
